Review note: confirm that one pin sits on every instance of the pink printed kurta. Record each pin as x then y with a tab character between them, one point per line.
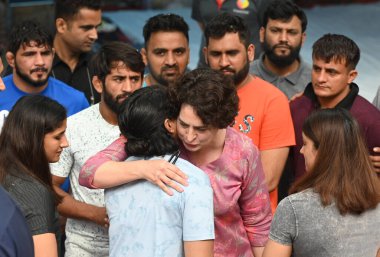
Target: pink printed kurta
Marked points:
241	201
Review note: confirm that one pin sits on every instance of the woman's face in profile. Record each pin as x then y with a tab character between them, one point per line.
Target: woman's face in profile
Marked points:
308	151
194	135
54	142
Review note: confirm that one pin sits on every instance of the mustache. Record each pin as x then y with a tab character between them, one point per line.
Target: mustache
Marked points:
227	69
125	95
282	45
39	69
168	67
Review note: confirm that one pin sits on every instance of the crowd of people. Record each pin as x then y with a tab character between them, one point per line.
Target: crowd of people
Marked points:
127	152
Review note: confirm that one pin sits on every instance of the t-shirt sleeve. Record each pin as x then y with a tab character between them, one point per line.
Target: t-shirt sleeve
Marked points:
277	127
37	204
283	228
114	152
198	211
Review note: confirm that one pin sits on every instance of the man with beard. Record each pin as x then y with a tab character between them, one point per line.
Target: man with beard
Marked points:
76	25
30	54
166	50
118	71
264	113
332	86
282	35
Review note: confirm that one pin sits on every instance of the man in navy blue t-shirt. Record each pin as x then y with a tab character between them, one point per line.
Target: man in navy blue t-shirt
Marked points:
15	237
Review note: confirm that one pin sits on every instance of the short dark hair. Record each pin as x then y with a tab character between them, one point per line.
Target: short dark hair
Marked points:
338	48
212	95
26	32
167	23
284	10
342	174
141	121
113	52
227	23
22	137
67	9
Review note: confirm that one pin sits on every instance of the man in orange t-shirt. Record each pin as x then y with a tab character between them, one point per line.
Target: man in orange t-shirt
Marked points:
264	113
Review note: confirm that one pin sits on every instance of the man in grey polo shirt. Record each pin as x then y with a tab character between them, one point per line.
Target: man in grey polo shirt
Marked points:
281	36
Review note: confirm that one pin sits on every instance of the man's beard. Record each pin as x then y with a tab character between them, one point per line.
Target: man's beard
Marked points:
28	79
160	79
238	76
113	104
281	61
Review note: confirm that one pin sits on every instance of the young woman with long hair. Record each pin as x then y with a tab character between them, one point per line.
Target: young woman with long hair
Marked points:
334	209
33	136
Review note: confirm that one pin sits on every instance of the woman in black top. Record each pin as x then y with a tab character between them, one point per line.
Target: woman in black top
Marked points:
32	137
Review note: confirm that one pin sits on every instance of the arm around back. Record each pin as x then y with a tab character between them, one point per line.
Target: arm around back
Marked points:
106	169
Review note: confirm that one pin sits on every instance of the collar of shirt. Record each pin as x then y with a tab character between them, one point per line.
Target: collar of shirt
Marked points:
346	103
269	76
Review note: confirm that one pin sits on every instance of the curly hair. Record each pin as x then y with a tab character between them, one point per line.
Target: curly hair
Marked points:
212	95
26	32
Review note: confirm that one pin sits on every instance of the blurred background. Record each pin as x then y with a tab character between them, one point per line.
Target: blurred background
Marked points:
123	20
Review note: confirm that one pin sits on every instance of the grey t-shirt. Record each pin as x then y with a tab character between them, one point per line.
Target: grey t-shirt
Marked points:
313	230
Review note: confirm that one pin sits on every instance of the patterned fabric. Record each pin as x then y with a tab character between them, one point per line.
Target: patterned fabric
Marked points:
87	133
145	221
241	201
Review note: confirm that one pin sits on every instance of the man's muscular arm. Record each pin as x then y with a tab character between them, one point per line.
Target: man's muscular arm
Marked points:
273	161
71	208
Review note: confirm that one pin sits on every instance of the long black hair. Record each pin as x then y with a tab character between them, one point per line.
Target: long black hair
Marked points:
22	137
141	121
